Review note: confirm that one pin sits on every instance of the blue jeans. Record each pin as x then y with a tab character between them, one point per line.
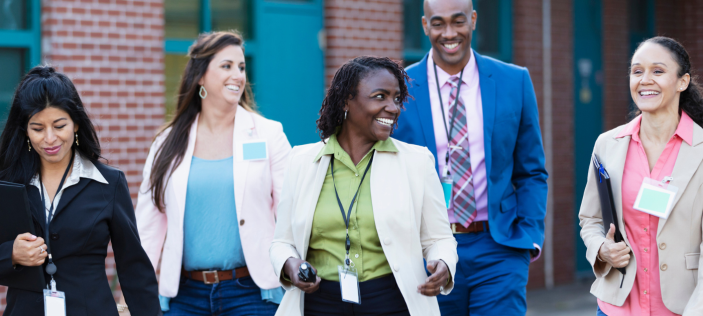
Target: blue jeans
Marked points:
237	297
490	278
600	312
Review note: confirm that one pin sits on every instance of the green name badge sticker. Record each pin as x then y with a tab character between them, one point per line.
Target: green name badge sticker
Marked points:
655	198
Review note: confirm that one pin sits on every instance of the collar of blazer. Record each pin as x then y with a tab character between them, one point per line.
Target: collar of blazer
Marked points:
687	163
243	123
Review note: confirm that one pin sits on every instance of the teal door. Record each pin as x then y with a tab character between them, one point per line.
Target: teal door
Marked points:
289	61
588	104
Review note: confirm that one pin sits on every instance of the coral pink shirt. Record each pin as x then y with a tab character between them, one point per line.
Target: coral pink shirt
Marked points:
645	298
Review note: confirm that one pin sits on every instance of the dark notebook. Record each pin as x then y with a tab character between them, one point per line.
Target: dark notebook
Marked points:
16	219
607	203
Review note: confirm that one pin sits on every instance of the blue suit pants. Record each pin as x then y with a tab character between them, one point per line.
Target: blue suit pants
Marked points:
490	278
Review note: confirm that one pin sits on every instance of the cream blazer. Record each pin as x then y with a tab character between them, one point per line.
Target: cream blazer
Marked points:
409	210
257	187
678	237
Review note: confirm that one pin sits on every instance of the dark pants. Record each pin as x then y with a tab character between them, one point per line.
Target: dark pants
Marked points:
237	297
378	297
490	278
600	312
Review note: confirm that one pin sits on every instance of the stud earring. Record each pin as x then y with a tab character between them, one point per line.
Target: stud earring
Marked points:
345	114
202	91
29	145
76	139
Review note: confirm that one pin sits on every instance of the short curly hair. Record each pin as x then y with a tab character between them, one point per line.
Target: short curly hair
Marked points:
344	87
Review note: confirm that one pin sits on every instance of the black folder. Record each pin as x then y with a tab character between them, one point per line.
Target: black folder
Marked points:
607	204
16	219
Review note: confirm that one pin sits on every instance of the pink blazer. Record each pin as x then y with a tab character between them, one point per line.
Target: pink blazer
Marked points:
257	187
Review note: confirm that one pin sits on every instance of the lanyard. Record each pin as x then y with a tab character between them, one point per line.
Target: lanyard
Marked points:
51	267
347	216
441	105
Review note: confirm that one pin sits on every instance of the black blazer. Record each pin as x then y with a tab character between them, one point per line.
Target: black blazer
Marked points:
90	214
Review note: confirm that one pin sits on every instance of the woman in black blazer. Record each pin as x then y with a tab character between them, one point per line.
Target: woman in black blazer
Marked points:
49	137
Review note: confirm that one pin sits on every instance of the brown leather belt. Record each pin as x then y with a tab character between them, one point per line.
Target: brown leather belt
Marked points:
475	227
214	277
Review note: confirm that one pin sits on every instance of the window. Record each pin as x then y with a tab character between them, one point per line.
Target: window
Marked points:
185	19
493	35
19	46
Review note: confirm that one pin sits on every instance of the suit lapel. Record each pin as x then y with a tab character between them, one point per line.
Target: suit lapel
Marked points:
313	190
179	178
243	125
69	194
616	154
421	93
687	163
488	103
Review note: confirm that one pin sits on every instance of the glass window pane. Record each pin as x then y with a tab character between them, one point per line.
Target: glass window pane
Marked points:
174	66
412	20
487	35
12	60
13	14
182	18
232	15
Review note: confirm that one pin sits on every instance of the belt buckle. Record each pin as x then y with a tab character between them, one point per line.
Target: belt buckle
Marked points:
217	277
453	225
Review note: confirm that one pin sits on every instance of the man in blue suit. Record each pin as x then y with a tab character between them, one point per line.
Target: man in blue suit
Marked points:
479	118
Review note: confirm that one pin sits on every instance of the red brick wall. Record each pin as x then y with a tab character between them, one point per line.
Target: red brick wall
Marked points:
679	19
113	52
616	60
362	27
527	51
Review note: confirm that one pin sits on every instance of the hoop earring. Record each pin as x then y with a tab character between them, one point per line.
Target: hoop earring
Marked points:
76	139
29	145
202	90
345	114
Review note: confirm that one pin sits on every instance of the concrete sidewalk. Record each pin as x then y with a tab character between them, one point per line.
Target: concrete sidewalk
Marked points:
565	300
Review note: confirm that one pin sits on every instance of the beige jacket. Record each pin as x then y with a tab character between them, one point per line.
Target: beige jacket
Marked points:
678	237
409	210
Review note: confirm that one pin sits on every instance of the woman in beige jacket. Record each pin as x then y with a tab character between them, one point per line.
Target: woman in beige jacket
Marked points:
664	144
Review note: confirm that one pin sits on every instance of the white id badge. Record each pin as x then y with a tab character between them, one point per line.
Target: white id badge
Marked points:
251	150
54	303
349	284
655	198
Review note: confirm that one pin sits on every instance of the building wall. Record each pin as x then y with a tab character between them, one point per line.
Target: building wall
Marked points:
679	19
616	60
113	52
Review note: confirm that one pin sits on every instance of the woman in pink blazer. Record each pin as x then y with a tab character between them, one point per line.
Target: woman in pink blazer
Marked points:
211	185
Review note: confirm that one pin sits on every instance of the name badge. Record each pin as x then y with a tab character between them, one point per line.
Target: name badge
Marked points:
252	150
656	198
349	284
54	303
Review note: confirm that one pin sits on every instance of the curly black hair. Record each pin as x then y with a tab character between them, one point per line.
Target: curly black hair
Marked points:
344	87
691	99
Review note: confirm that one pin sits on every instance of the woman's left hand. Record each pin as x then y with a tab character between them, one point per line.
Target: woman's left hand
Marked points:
438	279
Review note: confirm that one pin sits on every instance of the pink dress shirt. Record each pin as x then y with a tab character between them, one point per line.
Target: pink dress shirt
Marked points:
645	298
471	96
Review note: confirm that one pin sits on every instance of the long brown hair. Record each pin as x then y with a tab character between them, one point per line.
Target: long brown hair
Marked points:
170	155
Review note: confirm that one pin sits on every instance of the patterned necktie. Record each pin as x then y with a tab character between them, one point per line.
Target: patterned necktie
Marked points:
464	201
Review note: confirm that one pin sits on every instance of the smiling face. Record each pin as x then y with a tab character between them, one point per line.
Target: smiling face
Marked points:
654	81
51	133
375	108
225	77
449	25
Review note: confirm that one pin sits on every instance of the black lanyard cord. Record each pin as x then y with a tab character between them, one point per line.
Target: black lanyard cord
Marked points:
51	268
450	128
347	216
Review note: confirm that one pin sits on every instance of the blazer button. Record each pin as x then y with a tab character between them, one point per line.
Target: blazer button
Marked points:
387	241
54	236
662	246
396	267
664	267
241	222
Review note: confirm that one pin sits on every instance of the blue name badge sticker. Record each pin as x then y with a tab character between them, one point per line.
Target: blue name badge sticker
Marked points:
252	150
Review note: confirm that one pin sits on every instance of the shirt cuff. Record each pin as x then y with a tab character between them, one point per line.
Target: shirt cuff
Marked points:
535	253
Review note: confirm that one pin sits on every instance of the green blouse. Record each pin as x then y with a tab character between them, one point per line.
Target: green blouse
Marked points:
328	236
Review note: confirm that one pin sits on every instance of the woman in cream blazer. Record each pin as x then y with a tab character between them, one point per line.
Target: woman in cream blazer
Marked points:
667	95
406	203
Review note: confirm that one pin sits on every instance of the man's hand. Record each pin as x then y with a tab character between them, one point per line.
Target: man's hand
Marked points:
290	268
617	254
28	250
438	279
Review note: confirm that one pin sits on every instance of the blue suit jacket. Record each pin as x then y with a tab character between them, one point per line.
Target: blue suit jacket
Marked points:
517	178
